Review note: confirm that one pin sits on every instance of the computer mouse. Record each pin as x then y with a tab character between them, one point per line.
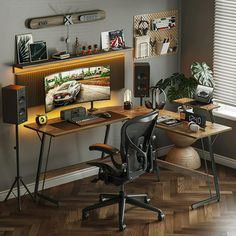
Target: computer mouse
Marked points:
106	115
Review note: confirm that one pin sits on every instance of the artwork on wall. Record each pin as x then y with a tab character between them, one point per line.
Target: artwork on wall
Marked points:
22	47
38	51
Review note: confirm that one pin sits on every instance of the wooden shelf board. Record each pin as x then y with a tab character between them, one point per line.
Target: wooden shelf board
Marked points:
70	59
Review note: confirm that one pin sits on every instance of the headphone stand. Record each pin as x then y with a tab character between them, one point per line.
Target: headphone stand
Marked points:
18	179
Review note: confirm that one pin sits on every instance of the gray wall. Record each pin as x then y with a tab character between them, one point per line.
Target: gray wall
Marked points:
69	149
197	45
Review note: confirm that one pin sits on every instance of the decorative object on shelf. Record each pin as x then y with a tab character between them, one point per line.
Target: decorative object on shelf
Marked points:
72	18
41	119
61	55
22	45
116	39
143	27
89	49
127	99
142	46
83	52
38	51
164	27
95	48
76	46
202	73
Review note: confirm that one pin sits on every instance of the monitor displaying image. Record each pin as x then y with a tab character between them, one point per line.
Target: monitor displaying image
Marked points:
76	86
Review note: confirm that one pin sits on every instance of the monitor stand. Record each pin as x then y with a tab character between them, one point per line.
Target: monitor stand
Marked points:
92	109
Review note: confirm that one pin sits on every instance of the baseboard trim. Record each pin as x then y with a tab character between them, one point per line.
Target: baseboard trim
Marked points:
80	174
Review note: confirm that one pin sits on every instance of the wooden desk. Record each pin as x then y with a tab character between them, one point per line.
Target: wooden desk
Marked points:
56	128
181	130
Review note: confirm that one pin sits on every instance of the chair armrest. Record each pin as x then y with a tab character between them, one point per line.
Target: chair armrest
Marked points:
111	151
108	149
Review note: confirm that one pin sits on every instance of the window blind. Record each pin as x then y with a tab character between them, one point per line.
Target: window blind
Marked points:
224	54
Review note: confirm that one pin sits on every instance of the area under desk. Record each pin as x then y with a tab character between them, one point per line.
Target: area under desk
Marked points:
120	115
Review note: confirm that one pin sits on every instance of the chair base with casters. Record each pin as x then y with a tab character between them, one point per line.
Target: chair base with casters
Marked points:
121	199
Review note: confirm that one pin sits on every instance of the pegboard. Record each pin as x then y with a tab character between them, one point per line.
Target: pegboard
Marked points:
170	35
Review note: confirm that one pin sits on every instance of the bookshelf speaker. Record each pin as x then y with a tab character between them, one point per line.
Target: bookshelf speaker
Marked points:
141	79
14	104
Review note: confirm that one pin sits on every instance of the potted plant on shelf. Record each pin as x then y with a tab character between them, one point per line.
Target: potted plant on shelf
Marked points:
179	86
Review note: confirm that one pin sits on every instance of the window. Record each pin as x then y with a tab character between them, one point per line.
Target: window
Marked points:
224	56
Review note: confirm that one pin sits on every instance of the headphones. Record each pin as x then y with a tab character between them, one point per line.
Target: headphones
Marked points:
143	27
194	127
155	102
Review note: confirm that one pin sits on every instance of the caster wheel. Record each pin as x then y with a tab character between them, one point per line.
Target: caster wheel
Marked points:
85	215
147	200
102	199
161	216
122	227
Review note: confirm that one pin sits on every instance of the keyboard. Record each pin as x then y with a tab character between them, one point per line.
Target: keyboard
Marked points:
87	119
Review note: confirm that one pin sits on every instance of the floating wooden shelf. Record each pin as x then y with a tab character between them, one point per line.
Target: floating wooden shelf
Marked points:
18	68
190	101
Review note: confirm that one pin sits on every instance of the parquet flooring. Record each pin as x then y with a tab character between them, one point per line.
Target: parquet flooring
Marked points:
173	194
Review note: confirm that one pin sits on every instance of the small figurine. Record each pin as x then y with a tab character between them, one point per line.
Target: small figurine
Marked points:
83	50
95	48
89	49
76	46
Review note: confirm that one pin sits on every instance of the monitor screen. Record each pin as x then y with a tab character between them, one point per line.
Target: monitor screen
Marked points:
76	86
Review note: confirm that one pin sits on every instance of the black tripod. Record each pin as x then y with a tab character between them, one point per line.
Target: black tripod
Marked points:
18	178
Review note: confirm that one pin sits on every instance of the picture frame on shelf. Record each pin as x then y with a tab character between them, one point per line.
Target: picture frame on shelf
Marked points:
117	39
38	51
22	47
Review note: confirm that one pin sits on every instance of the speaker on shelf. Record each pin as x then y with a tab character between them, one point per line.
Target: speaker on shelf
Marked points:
14	104
141	79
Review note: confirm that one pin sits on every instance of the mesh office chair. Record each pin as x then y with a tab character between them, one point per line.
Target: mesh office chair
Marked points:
136	159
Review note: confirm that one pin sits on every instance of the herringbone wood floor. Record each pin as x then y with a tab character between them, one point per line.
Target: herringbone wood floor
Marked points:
174	194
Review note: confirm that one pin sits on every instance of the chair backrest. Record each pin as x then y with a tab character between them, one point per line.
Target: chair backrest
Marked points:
136	145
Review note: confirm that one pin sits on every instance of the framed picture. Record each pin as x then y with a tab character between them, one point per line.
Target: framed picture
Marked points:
116	39
38	51
22	47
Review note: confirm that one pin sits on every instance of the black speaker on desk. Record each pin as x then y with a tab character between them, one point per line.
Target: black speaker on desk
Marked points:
14	104
141	79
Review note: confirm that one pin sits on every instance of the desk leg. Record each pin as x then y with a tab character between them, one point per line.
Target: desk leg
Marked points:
105	138
38	195
40	161
215	198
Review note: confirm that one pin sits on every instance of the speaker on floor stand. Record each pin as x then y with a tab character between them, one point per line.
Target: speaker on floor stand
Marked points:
15	112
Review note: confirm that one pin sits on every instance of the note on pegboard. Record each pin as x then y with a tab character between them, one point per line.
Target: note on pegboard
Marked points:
160	30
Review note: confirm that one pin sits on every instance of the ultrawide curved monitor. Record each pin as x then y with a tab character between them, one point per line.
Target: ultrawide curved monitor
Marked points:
86	84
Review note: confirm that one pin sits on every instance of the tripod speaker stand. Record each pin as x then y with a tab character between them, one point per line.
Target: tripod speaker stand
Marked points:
15	112
18	179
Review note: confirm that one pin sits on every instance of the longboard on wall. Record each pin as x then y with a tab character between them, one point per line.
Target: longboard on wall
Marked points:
67	19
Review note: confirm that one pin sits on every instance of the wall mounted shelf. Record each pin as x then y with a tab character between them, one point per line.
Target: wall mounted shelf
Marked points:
26	67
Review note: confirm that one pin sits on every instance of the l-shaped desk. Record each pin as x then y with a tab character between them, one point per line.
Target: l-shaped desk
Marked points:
56	127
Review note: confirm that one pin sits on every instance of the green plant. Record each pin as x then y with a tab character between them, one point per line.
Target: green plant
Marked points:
178	86
202	73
